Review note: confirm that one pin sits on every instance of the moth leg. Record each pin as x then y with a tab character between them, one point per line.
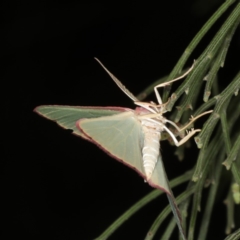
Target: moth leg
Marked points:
149	106
183	140
189	135
152	107
168	83
192	119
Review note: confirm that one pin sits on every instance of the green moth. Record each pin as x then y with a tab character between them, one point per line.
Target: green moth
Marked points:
131	136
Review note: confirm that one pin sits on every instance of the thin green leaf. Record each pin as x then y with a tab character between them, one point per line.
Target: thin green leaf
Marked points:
169	230
236	192
210	154
232	154
188	51
236	172
210	201
230	212
162	216
234	236
225	129
219	62
203	138
204	60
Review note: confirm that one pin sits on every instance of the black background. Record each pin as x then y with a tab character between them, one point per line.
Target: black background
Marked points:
58	186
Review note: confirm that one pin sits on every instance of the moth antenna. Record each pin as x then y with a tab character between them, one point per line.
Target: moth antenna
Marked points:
120	85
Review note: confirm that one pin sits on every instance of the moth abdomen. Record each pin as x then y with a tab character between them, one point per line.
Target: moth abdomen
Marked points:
150	150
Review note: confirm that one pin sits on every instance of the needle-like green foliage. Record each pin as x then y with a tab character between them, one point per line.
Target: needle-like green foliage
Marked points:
219	141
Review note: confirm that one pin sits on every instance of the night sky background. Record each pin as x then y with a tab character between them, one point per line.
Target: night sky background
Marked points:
55	185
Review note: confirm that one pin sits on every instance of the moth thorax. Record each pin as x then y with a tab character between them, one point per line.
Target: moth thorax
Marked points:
153	124
150	150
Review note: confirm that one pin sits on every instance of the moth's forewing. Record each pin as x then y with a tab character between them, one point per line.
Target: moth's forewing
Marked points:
67	116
